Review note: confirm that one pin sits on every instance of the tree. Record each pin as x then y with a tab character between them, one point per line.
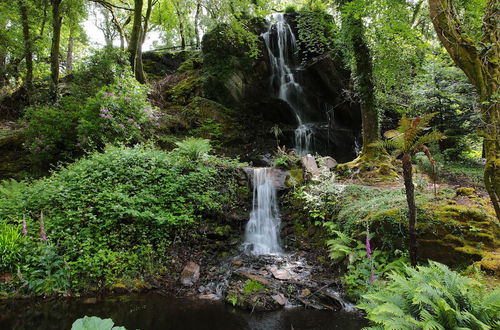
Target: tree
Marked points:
373	155
407	140
478	57
54	49
28	46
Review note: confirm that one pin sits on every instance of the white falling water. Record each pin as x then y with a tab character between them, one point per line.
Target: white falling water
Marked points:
262	230
282	49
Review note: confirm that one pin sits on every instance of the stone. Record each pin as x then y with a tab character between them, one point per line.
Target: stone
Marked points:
89	301
209	296
310	165
279	299
305	293
190	274
327	162
281	274
254	277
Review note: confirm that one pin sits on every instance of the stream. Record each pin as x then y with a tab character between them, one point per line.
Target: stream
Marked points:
155	311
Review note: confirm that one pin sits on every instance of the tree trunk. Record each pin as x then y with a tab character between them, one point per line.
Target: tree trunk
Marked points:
196	23
481	65
3	71
135	37
410	198
364	83
28	49
139	70
69	53
54	50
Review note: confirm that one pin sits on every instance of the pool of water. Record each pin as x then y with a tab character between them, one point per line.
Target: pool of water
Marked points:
155	311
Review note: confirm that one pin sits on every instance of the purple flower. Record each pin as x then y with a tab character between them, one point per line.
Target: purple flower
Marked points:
127	98
157	124
130	120
109	94
373	277
103	115
121	125
77	144
104	110
25	231
37	149
368	249
42	228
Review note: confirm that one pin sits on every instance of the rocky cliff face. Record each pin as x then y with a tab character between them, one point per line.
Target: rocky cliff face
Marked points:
236	80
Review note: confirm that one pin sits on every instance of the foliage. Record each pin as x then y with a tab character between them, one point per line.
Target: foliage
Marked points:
11	251
432	297
194	149
316	33
253	286
113	214
94	323
117	113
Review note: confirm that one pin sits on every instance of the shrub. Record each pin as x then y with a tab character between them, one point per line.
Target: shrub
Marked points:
432	297
119	112
113	214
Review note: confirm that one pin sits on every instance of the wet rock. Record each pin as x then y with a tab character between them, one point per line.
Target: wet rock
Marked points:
90	301
310	165
190	274
209	296
327	162
281	274
280	299
254	277
305	293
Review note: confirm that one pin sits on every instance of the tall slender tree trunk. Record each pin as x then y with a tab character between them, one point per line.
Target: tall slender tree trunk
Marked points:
139	69
363	71
54	49
481	65
69	53
196	23
28	49
135	36
3	71
410	198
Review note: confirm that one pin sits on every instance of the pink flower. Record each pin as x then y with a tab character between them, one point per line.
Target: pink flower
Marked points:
42	228
25	231
130	120
368	248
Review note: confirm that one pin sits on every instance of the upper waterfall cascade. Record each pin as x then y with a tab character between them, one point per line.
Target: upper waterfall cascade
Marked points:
283	56
262	230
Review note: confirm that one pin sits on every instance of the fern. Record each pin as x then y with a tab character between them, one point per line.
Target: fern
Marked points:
434	298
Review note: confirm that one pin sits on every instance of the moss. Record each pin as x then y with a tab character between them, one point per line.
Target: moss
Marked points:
465	191
374	165
185	90
295	178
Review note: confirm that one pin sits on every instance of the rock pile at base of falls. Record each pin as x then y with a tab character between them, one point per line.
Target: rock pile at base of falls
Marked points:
263	283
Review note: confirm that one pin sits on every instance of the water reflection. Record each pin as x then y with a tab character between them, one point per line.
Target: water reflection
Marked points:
154	311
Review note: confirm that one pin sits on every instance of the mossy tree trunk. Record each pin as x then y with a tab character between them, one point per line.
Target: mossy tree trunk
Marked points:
480	62
54	49
373	159
412	210
136	40
28	47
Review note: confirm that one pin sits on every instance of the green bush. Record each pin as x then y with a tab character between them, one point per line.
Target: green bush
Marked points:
119	112
432	297
112	215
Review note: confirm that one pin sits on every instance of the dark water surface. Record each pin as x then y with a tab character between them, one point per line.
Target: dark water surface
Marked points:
153	311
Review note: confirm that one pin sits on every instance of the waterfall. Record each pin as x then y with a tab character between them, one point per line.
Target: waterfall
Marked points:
283	56
262	230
